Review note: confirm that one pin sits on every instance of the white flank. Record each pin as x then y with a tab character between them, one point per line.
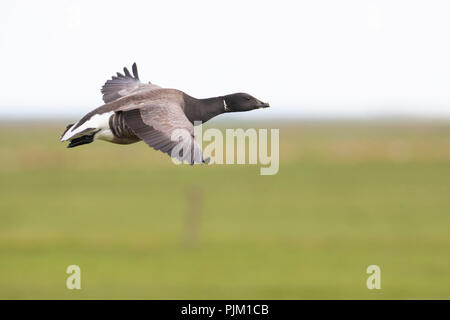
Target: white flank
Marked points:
98	121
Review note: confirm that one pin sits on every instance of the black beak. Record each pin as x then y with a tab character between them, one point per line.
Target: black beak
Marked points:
263	105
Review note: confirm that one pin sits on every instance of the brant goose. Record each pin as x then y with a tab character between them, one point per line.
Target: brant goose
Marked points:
135	111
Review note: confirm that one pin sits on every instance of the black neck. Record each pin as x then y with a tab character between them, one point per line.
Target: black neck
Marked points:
202	109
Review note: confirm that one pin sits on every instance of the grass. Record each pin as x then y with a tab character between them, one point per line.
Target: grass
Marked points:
347	195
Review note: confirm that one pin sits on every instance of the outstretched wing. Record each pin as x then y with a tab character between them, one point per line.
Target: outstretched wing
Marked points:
124	84
164	127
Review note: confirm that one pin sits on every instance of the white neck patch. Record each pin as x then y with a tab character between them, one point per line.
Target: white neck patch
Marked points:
225	107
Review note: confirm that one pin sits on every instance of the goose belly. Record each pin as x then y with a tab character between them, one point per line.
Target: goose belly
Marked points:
106	135
118	131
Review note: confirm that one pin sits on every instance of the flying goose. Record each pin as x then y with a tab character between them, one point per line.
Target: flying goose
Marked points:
135	111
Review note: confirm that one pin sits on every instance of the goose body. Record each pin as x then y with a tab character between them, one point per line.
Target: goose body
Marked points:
135	111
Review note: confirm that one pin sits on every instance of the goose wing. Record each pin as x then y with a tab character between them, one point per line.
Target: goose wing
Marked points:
125	84
164	126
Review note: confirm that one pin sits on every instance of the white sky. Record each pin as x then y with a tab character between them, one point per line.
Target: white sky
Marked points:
316	57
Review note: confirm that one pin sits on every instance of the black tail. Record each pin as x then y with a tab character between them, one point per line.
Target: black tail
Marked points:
81	140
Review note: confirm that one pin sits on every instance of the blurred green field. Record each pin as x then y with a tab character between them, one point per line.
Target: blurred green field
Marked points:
348	195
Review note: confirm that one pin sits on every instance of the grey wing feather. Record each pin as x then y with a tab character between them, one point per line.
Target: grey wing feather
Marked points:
124	84
157	125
